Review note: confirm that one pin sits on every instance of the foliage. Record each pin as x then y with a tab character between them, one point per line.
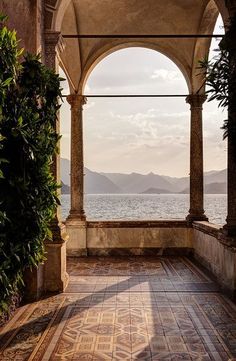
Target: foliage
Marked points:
28	140
220	73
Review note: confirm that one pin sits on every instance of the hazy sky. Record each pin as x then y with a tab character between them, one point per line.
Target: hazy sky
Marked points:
142	135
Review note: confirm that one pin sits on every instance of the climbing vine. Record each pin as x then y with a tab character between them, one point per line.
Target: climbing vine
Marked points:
29	95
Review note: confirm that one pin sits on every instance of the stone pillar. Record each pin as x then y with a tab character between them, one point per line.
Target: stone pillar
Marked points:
55	276
77	159
196	211
76	221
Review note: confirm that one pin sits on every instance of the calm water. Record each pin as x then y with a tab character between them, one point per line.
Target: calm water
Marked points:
146	206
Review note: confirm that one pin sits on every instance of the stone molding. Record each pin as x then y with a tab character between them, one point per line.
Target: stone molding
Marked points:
76	101
139	224
54	45
196	100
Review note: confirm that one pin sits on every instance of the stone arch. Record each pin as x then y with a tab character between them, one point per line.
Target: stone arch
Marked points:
202	46
55	10
108	49
54	13
71	84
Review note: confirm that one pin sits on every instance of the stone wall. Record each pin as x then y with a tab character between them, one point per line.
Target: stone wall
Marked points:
133	237
218	257
26	17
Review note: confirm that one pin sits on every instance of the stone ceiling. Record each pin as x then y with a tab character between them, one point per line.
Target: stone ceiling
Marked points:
136	17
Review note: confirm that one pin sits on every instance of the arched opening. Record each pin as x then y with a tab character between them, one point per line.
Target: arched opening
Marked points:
65	145
137	146
215	151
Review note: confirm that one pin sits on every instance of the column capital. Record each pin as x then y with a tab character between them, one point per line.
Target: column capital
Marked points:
196	100
54	45
54	39
76	101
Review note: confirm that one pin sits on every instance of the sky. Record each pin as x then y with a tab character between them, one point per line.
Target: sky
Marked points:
142	135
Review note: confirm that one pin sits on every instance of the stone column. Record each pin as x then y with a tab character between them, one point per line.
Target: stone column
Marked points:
55	276
196	211
76	221
77	159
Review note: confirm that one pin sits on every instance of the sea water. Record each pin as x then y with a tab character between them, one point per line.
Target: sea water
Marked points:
146	206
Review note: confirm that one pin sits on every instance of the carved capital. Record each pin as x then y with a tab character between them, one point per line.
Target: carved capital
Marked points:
54	46
196	100
76	101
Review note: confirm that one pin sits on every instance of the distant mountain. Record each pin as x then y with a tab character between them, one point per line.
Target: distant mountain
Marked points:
65	171
65	189
138	183
216	188
156	191
96	183
216	177
212	188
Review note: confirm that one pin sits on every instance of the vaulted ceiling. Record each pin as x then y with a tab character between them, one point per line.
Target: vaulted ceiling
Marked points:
135	17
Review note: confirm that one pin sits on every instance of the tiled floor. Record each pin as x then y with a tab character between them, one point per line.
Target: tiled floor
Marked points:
126	309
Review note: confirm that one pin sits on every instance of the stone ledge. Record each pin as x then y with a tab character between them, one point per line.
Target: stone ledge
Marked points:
139	224
217	232
208	228
158	251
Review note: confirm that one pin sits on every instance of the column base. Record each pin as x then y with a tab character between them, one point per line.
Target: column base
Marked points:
77	231
76	216
33	279
55	276
196	218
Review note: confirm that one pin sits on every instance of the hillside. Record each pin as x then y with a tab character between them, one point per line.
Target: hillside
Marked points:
115	183
156	191
95	183
212	188
138	183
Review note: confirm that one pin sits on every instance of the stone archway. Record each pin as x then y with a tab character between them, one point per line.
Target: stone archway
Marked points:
55	10
108	49
75	18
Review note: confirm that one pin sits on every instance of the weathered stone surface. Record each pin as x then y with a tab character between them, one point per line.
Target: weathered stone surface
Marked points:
218	257
138	238
55	275
26	18
77	158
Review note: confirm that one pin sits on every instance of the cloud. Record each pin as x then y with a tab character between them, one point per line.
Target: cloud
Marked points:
90	104
167	75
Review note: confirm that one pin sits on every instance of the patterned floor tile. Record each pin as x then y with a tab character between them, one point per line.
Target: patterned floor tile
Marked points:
132	308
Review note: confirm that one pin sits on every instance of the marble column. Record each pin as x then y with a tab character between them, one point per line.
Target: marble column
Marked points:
55	276
196	211
77	160
76	221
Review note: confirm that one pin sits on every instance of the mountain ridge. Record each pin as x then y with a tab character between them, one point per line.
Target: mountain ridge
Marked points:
121	183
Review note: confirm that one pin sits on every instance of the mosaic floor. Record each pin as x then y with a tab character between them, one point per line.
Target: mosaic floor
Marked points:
126	309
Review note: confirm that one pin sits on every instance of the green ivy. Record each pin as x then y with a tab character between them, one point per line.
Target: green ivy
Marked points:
29	94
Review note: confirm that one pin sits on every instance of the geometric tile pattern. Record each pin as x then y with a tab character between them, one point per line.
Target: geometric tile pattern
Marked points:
126	309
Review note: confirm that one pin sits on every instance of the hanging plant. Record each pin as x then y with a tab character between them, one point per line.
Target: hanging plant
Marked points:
29	94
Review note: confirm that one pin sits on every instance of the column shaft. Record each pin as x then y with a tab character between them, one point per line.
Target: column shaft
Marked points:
53	43
196	211
77	160
55	275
